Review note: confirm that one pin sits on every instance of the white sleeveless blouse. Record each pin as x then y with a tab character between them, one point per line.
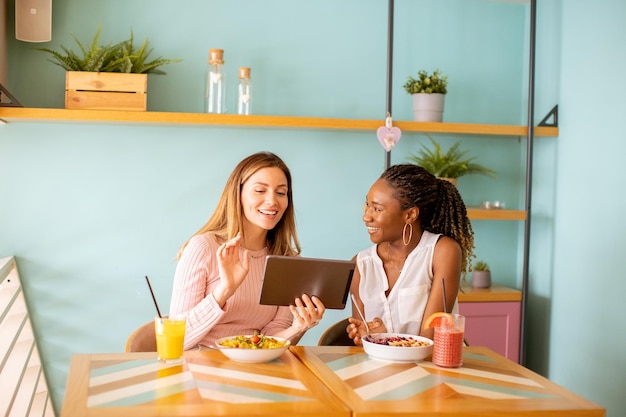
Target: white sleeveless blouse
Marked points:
403	310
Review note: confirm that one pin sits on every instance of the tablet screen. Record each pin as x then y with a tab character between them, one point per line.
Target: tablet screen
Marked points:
288	277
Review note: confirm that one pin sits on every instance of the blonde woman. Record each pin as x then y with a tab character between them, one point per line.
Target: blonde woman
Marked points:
220	268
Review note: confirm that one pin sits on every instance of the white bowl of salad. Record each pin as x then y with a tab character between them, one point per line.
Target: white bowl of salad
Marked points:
252	348
397	347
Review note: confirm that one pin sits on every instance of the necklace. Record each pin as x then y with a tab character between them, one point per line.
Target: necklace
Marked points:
262	253
256	253
391	261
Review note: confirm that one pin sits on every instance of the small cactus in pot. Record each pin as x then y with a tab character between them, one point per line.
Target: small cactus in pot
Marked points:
481	275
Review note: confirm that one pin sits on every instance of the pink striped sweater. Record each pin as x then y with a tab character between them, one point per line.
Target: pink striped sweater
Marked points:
195	278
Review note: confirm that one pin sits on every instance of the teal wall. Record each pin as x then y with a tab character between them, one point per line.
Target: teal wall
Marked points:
583	291
89	209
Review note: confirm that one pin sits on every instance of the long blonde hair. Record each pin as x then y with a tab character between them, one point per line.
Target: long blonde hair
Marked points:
227	219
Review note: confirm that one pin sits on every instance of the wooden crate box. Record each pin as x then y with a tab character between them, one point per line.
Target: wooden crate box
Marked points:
106	91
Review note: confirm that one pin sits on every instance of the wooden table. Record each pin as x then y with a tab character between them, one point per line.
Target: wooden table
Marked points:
487	384
207	383
312	381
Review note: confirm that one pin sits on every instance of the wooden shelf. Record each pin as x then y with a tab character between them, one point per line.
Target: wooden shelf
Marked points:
495	214
30	115
495	293
37	115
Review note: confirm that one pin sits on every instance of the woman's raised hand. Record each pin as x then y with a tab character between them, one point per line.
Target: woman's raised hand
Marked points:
232	269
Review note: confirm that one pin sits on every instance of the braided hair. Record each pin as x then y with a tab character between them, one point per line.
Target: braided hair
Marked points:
441	207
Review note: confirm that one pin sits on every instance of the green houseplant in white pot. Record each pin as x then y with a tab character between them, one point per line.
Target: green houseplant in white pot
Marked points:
450	164
428	92
481	275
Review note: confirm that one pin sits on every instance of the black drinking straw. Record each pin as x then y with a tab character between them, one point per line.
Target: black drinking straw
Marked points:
443	286
154	298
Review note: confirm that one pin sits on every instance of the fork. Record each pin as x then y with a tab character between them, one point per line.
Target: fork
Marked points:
367	328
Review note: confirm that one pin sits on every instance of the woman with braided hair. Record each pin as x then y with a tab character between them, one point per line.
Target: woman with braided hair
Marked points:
422	236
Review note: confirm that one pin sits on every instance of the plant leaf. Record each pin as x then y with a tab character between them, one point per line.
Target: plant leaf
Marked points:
451	164
119	57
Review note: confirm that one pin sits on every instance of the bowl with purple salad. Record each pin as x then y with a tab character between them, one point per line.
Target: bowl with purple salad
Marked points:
397	347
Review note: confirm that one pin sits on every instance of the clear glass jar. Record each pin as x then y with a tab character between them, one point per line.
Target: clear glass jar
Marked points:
244	93
215	95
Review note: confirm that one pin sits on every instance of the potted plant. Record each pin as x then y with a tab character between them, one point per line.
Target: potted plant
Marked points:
428	91
451	164
481	275
107	77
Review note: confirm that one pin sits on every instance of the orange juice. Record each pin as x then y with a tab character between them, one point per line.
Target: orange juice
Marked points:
170	339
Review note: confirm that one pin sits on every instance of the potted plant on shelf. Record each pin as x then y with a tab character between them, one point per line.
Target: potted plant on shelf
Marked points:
449	165
481	275
428	91
113	76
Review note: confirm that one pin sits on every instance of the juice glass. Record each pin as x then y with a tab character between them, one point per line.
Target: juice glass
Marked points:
448	342
170	338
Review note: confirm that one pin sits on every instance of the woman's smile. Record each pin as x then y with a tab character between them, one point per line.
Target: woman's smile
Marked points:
372	230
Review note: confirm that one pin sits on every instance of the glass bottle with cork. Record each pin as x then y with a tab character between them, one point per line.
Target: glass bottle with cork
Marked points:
244	93
215	95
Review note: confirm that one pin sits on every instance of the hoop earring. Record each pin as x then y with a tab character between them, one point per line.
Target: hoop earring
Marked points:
404	239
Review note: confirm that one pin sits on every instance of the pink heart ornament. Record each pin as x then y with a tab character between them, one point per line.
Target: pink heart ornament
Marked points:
388	136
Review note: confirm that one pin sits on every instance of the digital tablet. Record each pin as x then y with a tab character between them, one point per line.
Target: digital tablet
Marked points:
288	277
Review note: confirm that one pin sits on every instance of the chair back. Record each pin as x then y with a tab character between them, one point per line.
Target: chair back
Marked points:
142	339
336	335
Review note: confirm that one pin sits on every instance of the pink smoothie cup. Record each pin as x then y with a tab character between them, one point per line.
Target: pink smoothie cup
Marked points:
448	343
